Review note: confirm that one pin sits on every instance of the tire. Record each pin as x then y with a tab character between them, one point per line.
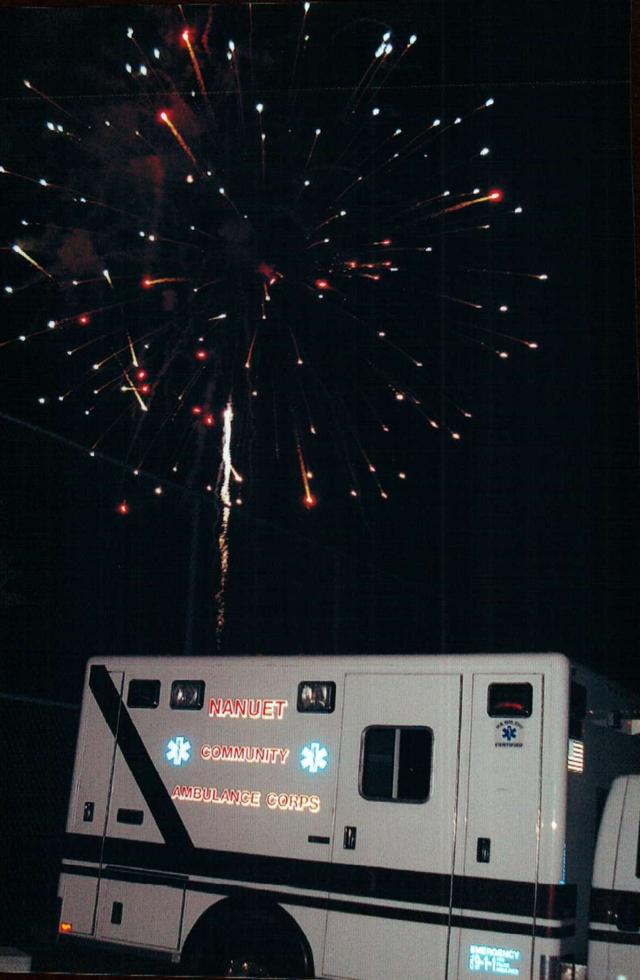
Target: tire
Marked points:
242	943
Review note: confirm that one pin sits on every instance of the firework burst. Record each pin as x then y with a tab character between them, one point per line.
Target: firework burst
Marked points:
232	226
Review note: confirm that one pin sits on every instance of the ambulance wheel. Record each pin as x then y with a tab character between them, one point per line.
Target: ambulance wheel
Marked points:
236	940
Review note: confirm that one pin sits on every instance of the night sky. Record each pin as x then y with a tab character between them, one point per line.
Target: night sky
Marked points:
520	536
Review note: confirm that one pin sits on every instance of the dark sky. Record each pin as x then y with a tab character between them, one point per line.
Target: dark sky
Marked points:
523	535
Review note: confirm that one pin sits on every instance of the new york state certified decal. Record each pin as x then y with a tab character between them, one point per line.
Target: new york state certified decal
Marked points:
508	734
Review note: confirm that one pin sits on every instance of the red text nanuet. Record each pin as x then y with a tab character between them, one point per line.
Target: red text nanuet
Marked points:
255	708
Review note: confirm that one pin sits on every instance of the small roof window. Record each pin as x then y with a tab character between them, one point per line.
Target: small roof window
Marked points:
143	694
510	700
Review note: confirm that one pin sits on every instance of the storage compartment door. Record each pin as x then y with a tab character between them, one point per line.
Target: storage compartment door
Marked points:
141	909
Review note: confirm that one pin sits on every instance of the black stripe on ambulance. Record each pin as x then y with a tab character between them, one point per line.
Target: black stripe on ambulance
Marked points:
553	902
120	873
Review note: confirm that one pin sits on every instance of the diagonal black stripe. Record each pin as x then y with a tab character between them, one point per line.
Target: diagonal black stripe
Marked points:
142	769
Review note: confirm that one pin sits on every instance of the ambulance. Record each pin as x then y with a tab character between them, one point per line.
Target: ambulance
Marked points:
366	817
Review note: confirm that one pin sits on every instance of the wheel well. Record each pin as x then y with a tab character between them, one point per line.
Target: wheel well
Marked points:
250	915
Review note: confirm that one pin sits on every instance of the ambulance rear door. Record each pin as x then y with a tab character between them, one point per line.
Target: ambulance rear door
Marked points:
88	810
144	868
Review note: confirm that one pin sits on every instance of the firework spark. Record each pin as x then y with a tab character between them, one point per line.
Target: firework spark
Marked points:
173	129
29	258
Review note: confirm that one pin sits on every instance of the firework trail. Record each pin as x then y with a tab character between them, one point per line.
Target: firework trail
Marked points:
227	471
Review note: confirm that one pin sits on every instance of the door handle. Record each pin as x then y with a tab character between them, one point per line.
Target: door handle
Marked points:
349	839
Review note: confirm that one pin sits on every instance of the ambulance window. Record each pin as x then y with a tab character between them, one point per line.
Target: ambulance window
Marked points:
143	694
395	764
187	695
317	696
510	700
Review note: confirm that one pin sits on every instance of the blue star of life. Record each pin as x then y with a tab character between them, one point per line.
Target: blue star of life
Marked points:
509	732
178	750
314	757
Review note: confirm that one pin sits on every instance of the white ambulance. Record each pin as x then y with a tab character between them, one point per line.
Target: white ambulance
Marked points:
424	817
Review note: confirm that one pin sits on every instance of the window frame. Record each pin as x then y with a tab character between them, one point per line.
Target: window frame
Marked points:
510	714
201	686
144	680
316	710
396	764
